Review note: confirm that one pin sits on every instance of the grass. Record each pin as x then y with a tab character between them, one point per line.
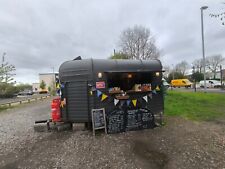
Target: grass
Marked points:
2	108
195	106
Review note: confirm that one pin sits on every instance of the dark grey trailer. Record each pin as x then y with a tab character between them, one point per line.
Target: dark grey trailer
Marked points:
111	84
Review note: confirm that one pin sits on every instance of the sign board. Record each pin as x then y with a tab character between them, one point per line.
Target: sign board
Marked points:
100	85
121	120
116	121
98	119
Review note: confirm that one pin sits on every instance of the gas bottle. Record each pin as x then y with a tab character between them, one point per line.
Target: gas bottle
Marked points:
55	107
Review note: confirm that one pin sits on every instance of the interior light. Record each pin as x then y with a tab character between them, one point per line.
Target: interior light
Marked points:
129	76
157	73
99	75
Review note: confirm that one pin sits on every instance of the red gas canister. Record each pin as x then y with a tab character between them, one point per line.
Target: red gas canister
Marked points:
55	106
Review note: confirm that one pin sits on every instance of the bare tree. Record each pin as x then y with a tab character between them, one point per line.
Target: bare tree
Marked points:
213	63
138	43
167	71
182	67
198	64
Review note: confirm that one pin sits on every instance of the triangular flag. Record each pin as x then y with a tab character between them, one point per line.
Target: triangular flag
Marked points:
128	102
99	93
104	97
157	88
116	101
62	86
122	102
57	86
134	102
153	91
145	98
150	95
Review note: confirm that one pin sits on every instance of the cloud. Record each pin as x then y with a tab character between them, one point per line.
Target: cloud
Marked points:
39	35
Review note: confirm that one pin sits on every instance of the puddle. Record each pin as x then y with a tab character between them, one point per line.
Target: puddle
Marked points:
149	155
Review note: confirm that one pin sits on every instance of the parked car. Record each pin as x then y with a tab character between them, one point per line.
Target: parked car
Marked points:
181	83
25	93
210	83
43	91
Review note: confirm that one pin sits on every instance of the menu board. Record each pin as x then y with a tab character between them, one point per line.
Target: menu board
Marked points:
134	120
147	119
121	120
98	119
116	121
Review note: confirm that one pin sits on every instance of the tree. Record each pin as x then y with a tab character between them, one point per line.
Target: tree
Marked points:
138	43
197	76
213	63
175	75
7	90
119	56
182	67
167	70
6	71
42	85
198	64
22	87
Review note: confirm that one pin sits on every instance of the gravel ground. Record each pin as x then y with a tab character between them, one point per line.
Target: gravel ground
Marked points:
179	144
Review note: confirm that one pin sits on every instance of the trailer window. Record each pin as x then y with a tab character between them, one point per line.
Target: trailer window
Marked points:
127	81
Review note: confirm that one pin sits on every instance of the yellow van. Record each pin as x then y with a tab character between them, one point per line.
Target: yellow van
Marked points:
181	83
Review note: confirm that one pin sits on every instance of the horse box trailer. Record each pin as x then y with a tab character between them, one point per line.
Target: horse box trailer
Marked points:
129	91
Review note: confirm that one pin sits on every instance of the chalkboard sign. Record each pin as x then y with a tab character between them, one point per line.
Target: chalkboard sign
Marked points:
121	120
116	121
98	119
147	118
134	120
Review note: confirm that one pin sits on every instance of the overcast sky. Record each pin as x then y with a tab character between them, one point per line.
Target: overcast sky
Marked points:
38	35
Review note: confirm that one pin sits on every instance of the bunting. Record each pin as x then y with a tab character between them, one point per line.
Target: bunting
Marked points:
154	92
104	96
157	88
150	95
134	102
220	16
99	93
116	101
145	98
128	102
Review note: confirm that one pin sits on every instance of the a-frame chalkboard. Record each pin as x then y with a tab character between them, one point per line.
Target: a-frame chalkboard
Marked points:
98	120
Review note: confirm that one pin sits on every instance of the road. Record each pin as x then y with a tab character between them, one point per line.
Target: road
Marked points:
178	144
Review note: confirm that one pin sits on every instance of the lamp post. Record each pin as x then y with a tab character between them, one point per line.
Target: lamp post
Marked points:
203	45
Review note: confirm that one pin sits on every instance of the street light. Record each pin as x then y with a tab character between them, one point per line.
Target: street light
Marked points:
203	45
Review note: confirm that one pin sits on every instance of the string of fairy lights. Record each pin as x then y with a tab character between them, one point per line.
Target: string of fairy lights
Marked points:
220	16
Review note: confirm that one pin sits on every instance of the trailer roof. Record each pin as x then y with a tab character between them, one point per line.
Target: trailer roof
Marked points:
112	65
89	66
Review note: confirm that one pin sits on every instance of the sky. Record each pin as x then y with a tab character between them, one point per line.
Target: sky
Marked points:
39	35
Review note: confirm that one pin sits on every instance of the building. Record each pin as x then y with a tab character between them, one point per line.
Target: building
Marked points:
35	87
48	78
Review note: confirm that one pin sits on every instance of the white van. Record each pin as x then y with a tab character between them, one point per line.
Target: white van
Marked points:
210	83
